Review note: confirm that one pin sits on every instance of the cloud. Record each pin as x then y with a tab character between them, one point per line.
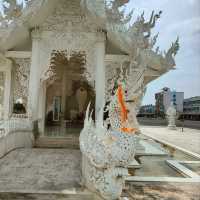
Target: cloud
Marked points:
194	2
179	18
189	25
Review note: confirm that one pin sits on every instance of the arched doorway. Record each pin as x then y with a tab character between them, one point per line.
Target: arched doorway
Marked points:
67	95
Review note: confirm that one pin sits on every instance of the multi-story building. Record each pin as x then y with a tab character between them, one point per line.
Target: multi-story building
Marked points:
191	105
147	111
191	108
164	99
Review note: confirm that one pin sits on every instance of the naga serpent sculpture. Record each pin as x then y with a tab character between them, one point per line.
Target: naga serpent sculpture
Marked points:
107	152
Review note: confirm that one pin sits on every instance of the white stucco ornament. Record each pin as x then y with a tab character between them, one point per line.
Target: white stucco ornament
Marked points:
171	116
109	146
107	151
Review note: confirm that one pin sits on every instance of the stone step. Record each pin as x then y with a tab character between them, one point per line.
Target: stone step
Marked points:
133	166
66	142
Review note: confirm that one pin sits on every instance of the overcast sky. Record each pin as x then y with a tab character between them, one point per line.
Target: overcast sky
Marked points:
179	18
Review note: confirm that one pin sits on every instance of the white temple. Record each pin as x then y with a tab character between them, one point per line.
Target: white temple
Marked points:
57	56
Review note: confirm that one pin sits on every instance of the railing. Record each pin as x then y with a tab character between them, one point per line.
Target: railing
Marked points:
15	133
19	116
2	132
60	131
15	124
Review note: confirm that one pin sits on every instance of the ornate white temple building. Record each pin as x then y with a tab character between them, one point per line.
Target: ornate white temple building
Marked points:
57	56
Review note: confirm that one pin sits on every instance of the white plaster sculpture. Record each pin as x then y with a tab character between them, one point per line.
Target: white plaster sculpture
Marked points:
171	116
107	152
21	79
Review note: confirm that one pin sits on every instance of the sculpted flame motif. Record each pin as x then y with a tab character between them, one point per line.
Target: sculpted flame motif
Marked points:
124	112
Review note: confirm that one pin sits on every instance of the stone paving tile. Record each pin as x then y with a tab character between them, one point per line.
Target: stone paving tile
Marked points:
189	139
163	191
40	169
28	196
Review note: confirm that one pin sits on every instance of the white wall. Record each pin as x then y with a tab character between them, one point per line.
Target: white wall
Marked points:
15	140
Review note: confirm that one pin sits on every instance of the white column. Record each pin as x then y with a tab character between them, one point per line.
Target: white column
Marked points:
6	68
7	92
34	83
100	75
42	108
64	83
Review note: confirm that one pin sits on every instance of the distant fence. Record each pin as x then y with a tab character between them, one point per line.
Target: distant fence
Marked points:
163	122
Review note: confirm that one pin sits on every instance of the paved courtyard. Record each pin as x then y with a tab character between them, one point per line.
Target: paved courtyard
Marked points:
164	191
189	139
40	169
29	173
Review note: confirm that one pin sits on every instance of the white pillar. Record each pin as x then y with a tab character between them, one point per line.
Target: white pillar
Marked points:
64	83
7	92
34	83
100	75
6	68
42	108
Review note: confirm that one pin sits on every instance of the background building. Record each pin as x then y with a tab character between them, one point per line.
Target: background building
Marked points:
147	111
191	108
191	105
164	99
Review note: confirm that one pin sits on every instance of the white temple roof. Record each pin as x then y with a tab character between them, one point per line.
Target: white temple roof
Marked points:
135	40
19	31
17	34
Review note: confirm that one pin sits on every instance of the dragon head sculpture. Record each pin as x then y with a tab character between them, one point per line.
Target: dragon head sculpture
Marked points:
108	151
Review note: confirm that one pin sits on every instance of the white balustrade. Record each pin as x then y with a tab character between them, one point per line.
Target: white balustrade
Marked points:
14	125
15	133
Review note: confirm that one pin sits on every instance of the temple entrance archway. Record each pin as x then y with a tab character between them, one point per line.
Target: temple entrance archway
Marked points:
67	95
